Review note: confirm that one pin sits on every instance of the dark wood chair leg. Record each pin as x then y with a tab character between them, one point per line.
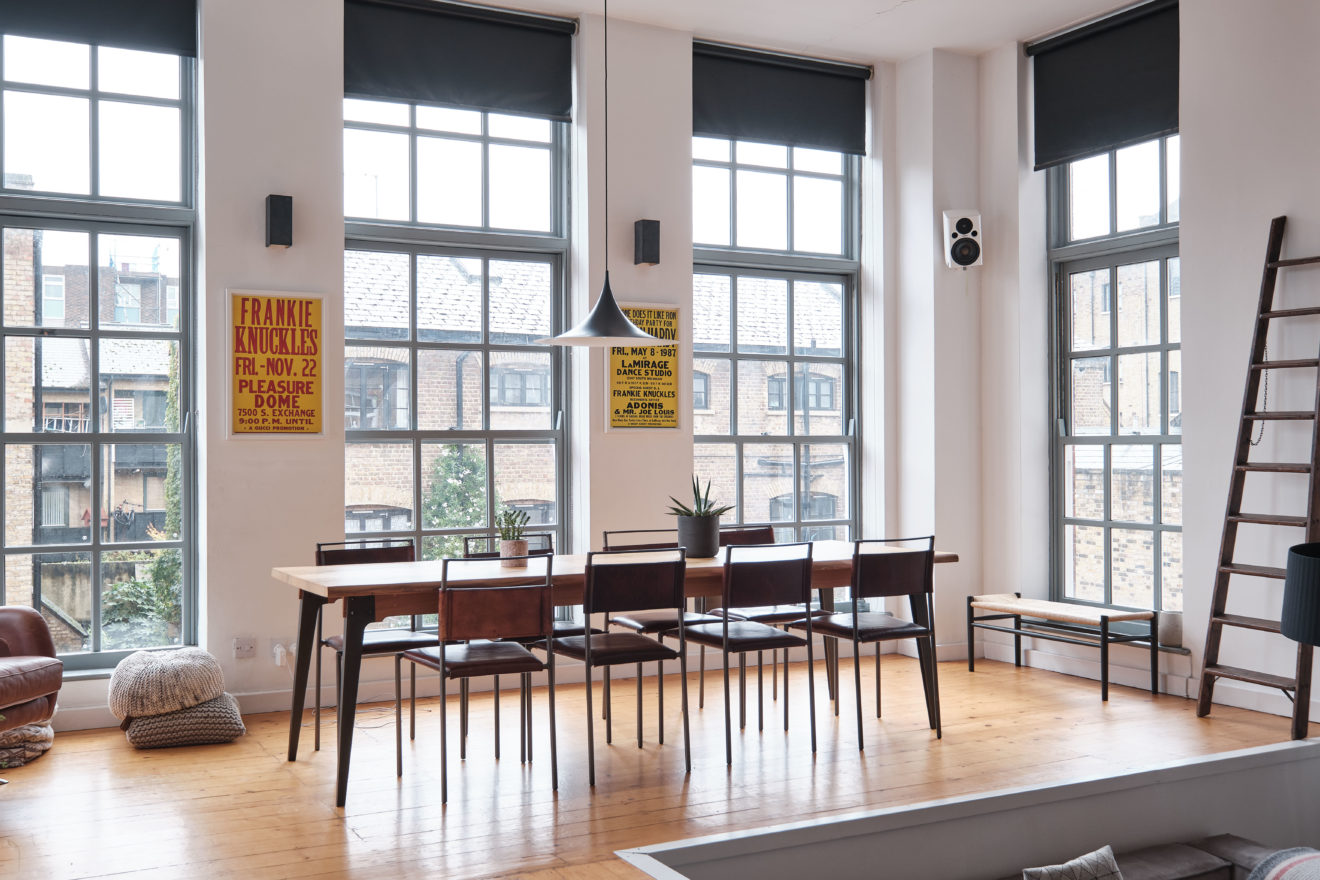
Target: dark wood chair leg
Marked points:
660	696
971	636
639	705
728	720
554	745
760	695
398	714
495	695
412	701
444	729
811	689
682	666
591	734
877	679
742	691
857	681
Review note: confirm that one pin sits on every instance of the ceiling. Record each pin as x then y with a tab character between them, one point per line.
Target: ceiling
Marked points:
851	30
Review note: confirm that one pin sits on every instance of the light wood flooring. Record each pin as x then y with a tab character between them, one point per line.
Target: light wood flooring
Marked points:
95	807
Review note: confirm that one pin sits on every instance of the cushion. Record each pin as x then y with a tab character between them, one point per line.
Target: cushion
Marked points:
1098	865
157	682
1298	863
25	743
214	721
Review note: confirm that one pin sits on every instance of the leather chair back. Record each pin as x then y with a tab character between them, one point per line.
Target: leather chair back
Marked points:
628	580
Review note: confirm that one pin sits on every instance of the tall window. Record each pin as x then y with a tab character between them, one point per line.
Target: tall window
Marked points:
95	378
1117	389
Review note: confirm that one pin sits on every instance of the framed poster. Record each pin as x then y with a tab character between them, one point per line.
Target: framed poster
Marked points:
276	363
643	385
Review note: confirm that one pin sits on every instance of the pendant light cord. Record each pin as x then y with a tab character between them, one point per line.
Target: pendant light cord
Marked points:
607	136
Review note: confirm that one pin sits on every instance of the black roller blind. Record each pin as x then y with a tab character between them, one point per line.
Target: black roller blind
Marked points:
1106	85
148	25
759	96
461	55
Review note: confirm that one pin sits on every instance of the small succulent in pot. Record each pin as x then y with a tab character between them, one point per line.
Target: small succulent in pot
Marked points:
511	525
699	523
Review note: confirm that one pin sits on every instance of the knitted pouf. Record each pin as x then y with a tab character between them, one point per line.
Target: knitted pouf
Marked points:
215	721
156	682
25	743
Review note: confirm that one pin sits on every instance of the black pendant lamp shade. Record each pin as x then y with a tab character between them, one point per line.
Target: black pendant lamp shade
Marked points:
605	326
1301	595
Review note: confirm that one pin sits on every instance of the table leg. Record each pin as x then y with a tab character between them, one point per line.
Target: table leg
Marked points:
831	647
309	611
360	611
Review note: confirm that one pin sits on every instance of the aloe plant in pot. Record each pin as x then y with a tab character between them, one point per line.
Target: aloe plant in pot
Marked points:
510	523
699	524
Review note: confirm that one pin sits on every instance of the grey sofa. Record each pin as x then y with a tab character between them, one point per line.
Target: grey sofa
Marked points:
1222	857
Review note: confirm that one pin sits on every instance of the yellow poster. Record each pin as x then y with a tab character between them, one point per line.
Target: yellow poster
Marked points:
276	362
644	381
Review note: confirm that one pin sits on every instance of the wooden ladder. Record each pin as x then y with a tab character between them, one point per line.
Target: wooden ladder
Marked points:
1298	687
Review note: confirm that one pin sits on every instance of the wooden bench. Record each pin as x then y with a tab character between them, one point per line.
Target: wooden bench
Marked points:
1061	622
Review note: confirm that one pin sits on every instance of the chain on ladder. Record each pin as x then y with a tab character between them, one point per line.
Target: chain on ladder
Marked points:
1265	397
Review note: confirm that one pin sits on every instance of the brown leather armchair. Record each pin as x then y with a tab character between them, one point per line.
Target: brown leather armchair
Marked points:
30	676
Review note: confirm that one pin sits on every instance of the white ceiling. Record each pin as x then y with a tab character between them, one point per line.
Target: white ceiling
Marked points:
853	30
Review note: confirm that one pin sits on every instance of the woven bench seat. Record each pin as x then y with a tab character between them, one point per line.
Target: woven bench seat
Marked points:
1061	622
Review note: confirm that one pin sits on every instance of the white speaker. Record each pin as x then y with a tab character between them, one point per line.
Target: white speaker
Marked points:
962	239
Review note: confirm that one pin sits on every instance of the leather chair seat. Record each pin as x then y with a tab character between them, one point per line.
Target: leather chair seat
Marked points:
651	622
744	635
478	658
610	649
871	626
772	614
386	641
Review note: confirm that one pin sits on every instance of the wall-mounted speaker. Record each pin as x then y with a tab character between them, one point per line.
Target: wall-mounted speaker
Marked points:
962	239
279	221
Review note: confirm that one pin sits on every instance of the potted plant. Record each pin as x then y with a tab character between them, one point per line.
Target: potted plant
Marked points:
699	525
511	524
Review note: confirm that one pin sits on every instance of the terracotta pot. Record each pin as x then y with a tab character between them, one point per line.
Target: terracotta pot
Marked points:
699	535
513	548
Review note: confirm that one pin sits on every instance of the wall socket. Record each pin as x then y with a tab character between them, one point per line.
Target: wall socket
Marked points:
245	647
282	651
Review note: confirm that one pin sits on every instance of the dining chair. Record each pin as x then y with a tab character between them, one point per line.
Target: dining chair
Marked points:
882	568
481	631
757	576
375	642
618	582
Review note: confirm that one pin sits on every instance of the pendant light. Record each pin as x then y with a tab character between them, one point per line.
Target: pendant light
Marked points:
605	325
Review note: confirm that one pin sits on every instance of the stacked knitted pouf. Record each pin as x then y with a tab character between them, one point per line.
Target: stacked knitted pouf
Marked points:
173	698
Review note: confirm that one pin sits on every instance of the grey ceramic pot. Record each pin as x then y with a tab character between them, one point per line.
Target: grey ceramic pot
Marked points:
699	535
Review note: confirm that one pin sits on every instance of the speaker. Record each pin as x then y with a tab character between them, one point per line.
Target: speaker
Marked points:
962	239
279	221
646	242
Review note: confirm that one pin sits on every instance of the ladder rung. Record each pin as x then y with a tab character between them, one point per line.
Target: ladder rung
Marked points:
1295	415
1276	467
1299	261
1239	620
1291	313
1248	675
1287	365
1264	571
1269	519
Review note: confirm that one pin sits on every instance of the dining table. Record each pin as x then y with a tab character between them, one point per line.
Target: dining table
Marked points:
374	591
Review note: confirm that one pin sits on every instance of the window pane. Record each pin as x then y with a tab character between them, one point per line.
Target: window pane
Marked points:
713	416
378	487
762	315
710	205
710	312
1173	183
376	177
377	384
1138	185
1171	573
823	490
519	188
519	128
1090	309
817	215
66	590
762	210
1171	494
137	378
50	498
1140	409
718	464
60	402
712	149
768	483
377	112
34	259
448	182
1132	483
141	599
818	318
525	479
448	298
449	390
139	151
823	161
130	72
1084	563
1084	482
1175	299
48	62
133	505
47	143
519	301
1090	396
134	273
1139	303
446	119
773	155
520	386
1088	197
453	486
762	397
376	295
818	399
1133	567
1173	391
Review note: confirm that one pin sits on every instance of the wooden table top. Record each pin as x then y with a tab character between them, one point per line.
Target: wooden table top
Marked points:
831	567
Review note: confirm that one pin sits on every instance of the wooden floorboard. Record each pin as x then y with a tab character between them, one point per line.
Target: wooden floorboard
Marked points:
93	807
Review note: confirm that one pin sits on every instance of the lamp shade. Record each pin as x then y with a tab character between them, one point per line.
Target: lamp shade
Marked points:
1301	595
605	326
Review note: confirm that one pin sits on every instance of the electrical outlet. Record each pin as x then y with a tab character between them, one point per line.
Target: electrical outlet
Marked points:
245	647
